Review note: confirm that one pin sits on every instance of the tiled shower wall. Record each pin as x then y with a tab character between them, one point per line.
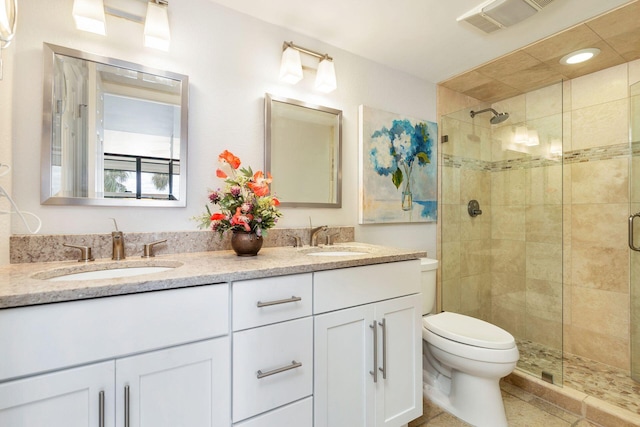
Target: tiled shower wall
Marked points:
543	219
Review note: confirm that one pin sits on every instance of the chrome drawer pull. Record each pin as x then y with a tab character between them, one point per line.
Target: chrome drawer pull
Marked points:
383	325
101	409
293	365
374	326
127	408
280	301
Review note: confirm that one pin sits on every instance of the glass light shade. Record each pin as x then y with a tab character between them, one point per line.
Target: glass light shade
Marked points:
89	16
326	77
290	66
533	138
156	27
522	135
579	56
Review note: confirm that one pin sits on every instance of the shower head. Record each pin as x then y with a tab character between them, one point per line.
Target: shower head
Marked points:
497	117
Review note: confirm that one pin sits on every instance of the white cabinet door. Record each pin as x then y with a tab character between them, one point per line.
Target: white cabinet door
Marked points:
69	398
185	386
343	388
399	389
345	392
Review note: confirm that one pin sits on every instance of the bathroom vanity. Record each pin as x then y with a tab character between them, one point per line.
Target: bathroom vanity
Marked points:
280	339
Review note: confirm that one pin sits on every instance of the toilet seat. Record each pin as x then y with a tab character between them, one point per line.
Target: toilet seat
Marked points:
468	330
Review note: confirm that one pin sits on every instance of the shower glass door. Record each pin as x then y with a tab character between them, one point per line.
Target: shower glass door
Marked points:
505	265
634	208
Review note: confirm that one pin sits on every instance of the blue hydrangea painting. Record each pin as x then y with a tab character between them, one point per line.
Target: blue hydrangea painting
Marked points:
398	168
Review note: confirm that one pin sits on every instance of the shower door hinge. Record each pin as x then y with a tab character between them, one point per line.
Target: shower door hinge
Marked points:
548	377
445	138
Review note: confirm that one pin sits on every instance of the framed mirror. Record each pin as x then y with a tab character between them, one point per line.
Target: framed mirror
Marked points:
303	146
114	133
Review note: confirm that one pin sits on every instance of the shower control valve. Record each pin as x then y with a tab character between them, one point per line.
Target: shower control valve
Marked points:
474	208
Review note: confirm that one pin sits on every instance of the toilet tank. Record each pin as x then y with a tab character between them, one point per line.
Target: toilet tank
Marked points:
428	268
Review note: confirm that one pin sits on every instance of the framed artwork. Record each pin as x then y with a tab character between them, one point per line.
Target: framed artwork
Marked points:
398	168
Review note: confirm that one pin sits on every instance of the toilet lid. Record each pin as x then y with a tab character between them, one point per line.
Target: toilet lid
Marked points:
468	330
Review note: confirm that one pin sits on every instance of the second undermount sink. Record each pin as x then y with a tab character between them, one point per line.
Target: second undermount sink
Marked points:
335	251
106	271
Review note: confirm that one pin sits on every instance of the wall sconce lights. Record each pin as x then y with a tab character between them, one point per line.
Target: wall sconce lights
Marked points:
89	15
156	26
291	67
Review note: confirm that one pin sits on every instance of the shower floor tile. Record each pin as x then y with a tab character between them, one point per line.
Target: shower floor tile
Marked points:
604	382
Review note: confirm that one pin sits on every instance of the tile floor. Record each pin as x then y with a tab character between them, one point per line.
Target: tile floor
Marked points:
523	410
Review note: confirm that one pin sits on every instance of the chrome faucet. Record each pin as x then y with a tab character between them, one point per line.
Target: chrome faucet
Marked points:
117	238
313	241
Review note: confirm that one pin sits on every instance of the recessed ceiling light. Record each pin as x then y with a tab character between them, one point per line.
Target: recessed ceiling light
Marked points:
579	56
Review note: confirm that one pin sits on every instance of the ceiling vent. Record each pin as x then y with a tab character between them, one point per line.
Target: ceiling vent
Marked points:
493	15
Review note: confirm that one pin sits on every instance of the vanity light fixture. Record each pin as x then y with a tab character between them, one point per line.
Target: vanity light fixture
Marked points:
89	16
156	26
579	56
291	67
533	139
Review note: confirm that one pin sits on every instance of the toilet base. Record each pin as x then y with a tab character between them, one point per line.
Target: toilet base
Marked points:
475	400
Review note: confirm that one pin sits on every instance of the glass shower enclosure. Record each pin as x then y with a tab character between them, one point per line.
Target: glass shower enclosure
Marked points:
502	222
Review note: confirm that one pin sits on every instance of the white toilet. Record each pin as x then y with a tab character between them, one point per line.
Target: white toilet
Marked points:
463	360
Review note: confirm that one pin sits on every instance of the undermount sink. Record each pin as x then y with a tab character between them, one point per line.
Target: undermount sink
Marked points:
335	251
105	271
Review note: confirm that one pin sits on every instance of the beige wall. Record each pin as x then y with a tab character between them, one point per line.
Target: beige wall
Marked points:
539	214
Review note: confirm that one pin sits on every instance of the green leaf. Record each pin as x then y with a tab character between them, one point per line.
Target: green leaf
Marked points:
423	158
397	178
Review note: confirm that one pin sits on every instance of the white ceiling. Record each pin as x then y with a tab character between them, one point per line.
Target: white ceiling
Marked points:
420	37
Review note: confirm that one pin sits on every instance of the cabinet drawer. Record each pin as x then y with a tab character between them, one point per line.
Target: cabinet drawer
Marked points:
349	287
276	350
298	414
53	336
275	299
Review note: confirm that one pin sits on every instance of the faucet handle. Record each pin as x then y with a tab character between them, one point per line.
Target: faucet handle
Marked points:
330	238
85	252
297	240
148	248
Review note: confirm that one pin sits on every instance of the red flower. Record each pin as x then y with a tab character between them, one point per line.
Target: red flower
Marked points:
275	202
220	174
218	217
227	157
260	184
241	219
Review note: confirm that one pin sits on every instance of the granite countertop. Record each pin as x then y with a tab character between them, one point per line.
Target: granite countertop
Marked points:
25	284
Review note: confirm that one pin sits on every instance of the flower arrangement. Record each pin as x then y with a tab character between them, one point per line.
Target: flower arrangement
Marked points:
245	203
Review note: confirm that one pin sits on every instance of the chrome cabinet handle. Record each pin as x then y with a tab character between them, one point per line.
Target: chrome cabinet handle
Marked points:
383	325
280	301
101	409
374	326
126	406
631	218
293	365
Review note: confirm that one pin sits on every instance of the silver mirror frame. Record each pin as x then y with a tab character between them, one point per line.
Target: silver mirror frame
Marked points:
269	100
46	198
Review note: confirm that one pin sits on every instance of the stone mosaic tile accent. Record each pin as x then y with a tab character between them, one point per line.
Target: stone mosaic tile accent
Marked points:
595	379
47	248
530	162
598	153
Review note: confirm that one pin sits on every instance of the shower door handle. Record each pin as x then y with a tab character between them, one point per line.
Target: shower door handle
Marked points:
631	218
